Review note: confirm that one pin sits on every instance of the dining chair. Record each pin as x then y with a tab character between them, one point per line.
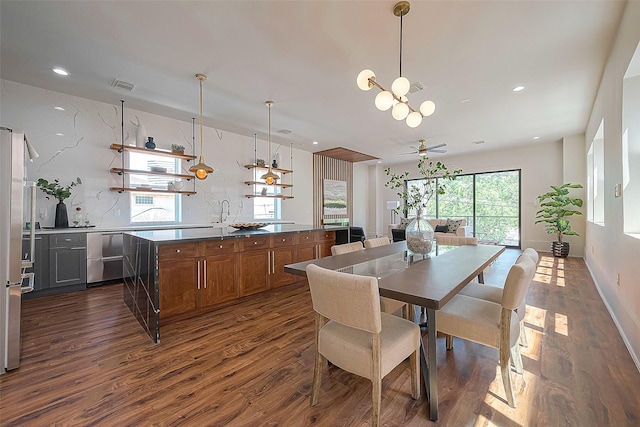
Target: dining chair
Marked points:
387	305
353	334
493	293
346	248
374	242
491	324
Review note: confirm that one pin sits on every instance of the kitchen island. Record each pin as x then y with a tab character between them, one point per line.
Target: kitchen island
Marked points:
171	272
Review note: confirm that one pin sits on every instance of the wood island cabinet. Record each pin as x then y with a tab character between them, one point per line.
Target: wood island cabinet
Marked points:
196	275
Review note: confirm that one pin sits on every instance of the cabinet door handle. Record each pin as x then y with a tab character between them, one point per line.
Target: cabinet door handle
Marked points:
268	262
198	274
255	243
77	249
177	251
204	270
67	240
273	262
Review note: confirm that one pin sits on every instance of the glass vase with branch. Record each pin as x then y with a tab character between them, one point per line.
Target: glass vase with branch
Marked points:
435	176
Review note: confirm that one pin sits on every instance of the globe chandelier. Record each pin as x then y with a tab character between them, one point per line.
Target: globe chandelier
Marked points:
396	98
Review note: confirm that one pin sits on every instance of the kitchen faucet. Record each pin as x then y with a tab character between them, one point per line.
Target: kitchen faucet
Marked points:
222	210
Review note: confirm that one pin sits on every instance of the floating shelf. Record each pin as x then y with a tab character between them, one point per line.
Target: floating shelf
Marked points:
121	171
282	171
149	190
157	152
264	183
277	196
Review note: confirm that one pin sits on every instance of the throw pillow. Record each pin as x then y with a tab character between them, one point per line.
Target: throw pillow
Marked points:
454	224
441	229
404	222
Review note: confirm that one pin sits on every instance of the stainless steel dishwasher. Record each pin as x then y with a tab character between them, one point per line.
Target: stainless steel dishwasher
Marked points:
104	257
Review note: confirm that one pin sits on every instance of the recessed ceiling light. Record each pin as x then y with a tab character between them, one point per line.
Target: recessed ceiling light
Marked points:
518	88
478	142
59	134
379	161
536	137
60	71
58	108
315	142
462	101
284	131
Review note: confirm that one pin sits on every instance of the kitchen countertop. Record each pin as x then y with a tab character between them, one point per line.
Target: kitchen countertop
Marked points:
223	232
117	228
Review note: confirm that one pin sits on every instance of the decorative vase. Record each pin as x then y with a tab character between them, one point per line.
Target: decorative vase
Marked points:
419	235
150	144
62	220
141	136
560	249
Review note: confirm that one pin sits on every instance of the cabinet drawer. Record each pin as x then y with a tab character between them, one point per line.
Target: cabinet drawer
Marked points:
255	242
280	240
177	250
305	237
326	236
220	247
67	240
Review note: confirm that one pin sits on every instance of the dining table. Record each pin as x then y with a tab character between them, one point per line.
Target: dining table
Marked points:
427	280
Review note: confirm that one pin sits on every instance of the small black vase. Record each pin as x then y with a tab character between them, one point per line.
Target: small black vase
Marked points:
150	144
62	220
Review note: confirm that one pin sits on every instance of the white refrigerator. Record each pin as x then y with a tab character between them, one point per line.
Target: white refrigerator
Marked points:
17	198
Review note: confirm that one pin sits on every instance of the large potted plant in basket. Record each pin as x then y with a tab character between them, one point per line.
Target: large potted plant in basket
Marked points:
61	193
419	233
556	206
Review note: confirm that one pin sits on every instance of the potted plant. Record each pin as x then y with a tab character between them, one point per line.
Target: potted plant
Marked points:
556	206
177	148
419	233
61	193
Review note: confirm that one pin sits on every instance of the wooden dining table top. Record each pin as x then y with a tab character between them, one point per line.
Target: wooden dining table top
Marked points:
430	282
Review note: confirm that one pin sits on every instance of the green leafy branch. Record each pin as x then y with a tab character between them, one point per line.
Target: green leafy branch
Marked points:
56	190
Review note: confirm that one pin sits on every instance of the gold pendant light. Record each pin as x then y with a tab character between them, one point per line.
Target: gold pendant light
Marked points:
201	169
270	178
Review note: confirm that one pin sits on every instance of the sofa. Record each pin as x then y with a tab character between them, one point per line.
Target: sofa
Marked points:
462	230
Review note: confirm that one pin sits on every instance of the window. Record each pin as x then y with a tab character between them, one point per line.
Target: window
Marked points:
490	202
596	176
631	147
153	207
267	207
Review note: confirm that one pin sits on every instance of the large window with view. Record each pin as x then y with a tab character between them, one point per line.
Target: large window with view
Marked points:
152	206
490	203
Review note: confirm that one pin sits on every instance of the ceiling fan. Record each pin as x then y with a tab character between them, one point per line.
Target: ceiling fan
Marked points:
423	150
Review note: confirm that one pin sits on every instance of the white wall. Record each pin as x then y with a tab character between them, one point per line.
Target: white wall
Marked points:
90	127
610	252
360	196
541	166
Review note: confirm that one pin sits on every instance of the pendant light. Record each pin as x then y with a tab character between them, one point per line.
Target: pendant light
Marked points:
270	178
201	169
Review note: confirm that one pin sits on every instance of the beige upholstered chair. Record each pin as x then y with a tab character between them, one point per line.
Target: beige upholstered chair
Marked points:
346	248
494	294
374	242
354	335
453	240
491	324
387	305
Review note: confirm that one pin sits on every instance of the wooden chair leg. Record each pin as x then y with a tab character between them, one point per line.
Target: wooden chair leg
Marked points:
414	361
516	357
523	336
375	400
317	378
505	370
449	342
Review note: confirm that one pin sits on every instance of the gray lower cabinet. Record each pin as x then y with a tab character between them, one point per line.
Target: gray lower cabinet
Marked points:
41	261
67	259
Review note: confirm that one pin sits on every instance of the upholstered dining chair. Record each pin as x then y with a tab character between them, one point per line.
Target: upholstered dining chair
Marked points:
387	305
494	294
374	242
353	334
491	324
346	248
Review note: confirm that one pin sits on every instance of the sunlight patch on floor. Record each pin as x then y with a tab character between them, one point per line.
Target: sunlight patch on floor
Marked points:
523	389
561	324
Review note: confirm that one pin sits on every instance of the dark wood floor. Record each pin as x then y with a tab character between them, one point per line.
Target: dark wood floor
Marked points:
87	362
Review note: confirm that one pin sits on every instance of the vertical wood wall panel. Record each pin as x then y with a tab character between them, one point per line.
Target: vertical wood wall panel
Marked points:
329	168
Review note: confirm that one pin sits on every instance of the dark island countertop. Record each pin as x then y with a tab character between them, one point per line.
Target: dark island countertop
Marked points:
225	232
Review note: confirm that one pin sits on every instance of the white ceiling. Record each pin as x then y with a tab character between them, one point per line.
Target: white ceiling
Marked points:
305	56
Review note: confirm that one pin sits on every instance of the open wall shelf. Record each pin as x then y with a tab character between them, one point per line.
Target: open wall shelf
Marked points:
121	171
149	190
157	152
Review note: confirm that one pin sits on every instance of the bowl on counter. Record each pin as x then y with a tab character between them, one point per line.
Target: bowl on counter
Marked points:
248	225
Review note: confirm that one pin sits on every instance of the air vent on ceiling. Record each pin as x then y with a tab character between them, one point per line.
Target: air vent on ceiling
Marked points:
478	142
284	131
122	84
416	87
